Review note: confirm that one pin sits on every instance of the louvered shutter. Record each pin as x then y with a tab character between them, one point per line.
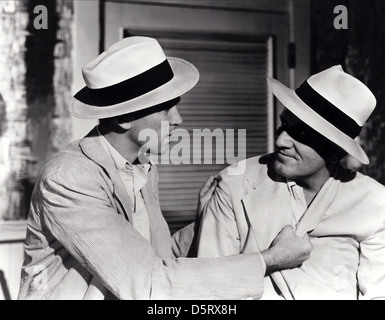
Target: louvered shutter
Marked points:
231	94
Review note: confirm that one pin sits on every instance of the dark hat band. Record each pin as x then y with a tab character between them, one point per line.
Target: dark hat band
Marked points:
128	89
327	110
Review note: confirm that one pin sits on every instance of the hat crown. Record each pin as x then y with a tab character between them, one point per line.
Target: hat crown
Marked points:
345	92
125	59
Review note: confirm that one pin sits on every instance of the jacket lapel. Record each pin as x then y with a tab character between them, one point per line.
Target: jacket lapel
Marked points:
93	148
296	279
268	207
266	215
319	206
160	233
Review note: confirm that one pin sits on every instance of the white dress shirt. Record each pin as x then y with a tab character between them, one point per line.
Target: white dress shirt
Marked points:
134	178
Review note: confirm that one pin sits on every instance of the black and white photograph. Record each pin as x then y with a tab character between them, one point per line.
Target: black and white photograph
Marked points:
205	151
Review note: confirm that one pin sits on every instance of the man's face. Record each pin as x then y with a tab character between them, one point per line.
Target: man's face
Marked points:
160	126
298	149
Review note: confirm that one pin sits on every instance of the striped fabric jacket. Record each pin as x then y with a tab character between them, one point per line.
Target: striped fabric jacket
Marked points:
81	243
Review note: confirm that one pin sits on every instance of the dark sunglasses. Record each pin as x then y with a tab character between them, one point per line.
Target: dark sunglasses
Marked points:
300	132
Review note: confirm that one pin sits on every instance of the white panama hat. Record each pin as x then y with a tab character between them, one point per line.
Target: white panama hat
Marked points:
132	75
333	103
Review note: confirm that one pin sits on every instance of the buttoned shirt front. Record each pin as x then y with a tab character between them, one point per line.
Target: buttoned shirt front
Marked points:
134	178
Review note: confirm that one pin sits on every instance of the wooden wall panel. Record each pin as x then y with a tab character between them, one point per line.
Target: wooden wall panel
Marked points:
12	236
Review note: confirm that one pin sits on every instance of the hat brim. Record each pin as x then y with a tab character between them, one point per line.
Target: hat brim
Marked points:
186	76
291	101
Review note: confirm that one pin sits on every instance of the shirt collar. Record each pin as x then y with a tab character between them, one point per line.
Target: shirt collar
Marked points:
291	184
119	160
139	171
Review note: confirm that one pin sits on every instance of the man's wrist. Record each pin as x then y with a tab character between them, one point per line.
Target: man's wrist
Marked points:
268	261
263	262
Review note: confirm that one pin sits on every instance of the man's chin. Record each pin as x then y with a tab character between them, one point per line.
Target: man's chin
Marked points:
281	168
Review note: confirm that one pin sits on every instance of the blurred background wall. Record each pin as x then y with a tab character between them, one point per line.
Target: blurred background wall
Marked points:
40	70
35	87
360	50
36	79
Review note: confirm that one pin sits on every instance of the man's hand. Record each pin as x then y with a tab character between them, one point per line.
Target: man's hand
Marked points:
205	194
287	251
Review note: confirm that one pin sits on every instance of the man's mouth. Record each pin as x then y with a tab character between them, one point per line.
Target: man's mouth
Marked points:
282	154
171	137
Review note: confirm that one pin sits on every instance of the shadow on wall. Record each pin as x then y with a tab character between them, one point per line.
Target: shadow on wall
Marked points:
39	81
34	120
40	69
359	49
2	116
4	286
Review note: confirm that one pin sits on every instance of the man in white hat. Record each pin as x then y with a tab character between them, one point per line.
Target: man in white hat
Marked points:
95	229
303	184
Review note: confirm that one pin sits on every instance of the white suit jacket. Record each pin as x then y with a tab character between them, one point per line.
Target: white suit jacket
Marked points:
81	243
346	223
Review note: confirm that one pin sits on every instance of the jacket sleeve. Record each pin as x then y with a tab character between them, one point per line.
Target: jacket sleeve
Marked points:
218	235
79	214
371	271
183	242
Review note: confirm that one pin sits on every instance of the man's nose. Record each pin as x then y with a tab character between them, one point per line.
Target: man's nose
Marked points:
175	117
283	140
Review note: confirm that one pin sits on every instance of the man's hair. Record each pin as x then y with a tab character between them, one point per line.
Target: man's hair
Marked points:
129	117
